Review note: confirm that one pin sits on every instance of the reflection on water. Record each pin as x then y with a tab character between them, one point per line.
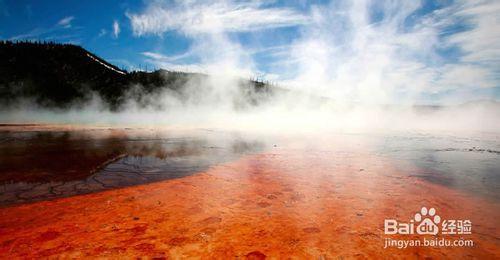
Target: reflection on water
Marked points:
471	164
37	165
43	165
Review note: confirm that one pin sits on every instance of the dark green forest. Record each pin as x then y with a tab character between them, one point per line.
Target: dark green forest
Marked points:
54	75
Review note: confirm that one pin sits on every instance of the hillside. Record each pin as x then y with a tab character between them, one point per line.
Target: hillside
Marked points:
62	75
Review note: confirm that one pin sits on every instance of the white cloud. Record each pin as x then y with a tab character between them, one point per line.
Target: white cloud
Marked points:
160	57
342	55
462	75
340	52
194	17
116	28
154	55
481	44
214	54
66	21
102	32
60	31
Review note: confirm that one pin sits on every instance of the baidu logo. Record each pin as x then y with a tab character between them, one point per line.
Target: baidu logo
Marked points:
427	222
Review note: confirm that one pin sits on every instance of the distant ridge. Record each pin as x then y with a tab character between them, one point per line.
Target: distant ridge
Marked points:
63	75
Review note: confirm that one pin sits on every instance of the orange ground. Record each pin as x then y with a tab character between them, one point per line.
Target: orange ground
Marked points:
281	203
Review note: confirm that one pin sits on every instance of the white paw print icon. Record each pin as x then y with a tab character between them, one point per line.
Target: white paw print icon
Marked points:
427	226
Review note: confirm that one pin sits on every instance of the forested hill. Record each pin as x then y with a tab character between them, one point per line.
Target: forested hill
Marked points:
61	75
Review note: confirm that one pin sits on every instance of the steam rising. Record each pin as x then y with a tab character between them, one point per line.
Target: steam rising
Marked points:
349	69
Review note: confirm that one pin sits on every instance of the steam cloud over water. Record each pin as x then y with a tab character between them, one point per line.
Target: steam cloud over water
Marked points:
353	65
220	103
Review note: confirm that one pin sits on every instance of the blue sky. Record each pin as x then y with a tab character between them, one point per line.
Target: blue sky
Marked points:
387	51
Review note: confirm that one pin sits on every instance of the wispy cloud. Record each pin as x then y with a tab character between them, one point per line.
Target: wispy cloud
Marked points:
155	56
62	30
192	17
345	55
116	28
102	32
172	58
481	44
66	21
342	51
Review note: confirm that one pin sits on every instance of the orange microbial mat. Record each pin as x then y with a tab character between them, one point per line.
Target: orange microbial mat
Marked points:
286	198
